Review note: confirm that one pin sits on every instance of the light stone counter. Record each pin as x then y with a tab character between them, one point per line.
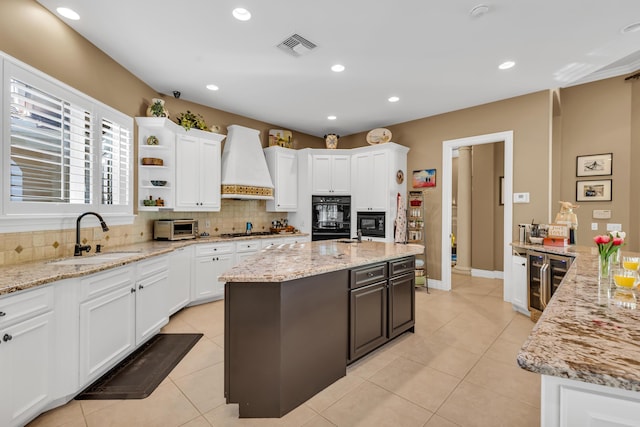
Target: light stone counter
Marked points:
19	277
290	262
585	334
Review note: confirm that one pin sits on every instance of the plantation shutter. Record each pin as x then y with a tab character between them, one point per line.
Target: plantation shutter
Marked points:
51	148
116	163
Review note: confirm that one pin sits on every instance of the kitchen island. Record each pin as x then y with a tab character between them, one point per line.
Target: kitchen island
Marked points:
586	345
295	316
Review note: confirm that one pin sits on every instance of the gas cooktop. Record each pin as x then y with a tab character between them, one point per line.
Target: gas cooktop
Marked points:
258	233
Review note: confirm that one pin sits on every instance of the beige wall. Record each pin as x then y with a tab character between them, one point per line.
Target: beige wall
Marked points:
599	117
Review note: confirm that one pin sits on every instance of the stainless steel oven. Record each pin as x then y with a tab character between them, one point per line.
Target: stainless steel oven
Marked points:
331	217
371	224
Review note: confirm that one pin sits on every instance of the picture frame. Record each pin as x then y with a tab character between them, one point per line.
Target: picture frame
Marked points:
424	178
594	165
594	191
501	190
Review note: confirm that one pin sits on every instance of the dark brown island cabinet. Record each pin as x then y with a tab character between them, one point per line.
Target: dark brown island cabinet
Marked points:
286	341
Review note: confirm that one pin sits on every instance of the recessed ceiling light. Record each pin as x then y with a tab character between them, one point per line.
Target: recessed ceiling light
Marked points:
631	28
479	10
212	87
338	68
506	65
393	99
68	13
331	117
241	14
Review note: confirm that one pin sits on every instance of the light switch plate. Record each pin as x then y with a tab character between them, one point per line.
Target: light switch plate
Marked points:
614	227
602	213
520	197
594	226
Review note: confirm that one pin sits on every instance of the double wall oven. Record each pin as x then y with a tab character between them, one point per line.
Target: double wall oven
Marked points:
330	217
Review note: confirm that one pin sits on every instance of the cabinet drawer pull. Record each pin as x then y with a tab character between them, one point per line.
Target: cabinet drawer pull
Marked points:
7	337
2	314
370	274
404	265
140	287
133	290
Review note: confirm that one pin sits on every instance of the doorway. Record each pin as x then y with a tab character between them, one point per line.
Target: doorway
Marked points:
447	155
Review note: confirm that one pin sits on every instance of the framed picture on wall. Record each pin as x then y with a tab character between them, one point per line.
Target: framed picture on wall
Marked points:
593	191
594	165
424	178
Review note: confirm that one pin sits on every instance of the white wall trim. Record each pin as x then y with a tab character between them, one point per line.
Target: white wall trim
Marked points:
488	274
437	284
447	154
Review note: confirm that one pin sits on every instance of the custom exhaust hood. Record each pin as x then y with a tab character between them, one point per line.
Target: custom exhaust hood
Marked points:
245	174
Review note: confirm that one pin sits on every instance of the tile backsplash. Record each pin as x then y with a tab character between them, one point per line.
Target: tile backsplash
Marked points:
17	248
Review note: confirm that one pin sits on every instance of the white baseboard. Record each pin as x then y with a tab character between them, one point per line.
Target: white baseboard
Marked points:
487	274
437	284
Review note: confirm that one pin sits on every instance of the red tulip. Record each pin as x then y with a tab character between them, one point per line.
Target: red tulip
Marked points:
617	241
601	239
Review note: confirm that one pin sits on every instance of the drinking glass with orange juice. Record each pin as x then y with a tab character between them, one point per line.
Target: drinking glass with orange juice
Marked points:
631	263
625	278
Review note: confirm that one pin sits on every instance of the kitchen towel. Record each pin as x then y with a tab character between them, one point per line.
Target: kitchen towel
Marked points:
401	221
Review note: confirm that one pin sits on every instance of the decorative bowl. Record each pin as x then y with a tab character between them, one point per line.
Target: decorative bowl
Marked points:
158	183
537	240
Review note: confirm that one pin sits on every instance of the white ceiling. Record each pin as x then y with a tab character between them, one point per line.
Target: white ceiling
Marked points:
432	54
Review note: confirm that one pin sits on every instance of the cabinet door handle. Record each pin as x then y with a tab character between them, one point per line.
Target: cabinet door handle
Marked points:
133	290
7	337
2	314
140	287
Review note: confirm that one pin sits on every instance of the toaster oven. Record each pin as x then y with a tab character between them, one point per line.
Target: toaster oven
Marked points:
175	229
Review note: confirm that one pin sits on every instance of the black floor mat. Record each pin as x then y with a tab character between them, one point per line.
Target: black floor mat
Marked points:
141	372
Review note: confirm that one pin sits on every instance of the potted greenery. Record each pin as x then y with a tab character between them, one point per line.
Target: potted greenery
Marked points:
157	109
190	120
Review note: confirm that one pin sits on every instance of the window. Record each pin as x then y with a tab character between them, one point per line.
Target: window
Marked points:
64	153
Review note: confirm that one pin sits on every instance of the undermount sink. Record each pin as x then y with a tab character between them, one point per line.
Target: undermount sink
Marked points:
95	259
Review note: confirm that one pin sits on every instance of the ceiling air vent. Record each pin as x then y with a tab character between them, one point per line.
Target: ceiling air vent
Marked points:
297	45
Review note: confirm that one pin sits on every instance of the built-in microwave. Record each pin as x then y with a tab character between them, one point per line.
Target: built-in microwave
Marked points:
371	224
175	229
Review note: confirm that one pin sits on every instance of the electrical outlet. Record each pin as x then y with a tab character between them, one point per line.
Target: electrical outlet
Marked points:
594	226
207	223
520	197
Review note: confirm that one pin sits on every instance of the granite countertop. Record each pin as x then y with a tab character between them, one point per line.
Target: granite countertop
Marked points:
571	250
586	333
19	277
311	258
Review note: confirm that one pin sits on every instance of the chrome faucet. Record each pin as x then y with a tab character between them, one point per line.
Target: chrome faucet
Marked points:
86	248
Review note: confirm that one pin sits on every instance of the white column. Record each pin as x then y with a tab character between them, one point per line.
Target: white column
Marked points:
463	239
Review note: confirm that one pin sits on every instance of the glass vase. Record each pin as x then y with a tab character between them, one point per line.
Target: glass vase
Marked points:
604	270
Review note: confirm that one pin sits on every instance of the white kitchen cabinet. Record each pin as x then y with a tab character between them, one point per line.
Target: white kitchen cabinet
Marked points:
120	309
331	174
27	347
152	286
519	278
283	167
179	287
163	147
246	249
197	174
370	183
211	260
107	320
569	403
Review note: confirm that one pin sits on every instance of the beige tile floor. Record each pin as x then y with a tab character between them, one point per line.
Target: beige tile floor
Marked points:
458	369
